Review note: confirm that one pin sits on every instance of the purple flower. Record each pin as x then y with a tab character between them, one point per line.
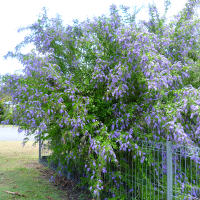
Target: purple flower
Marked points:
104	170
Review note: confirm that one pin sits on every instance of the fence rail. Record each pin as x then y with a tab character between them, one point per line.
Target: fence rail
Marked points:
164	171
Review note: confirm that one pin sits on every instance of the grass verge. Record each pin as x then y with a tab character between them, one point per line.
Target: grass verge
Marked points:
20	174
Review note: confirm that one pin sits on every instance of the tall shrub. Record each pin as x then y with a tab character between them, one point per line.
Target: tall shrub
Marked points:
98	87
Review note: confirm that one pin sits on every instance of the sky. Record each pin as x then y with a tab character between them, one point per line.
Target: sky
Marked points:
15	14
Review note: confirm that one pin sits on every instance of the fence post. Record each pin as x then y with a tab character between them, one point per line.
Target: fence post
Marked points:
169	171
40	147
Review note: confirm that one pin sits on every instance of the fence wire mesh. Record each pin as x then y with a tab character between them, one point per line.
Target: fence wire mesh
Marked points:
161	171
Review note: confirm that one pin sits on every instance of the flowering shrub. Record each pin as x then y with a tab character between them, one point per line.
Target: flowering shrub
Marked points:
94	89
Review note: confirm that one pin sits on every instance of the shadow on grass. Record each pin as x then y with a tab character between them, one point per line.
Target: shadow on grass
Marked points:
28	183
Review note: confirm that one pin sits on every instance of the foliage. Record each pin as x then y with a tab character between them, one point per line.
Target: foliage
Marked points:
5	110
1	111
94	89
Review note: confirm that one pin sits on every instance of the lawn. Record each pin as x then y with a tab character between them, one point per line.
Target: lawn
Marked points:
21	175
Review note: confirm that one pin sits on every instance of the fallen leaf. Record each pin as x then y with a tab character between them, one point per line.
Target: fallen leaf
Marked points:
15	193
49	198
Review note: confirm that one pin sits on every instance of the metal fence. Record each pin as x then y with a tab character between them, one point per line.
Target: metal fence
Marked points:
158	171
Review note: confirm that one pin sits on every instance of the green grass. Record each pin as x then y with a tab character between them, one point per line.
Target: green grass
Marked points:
20	172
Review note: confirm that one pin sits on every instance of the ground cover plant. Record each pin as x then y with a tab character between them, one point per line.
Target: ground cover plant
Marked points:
98	87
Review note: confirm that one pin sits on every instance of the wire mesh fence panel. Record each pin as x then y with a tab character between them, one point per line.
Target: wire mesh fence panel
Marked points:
158	171
186	168
72	170
142	176
44	152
